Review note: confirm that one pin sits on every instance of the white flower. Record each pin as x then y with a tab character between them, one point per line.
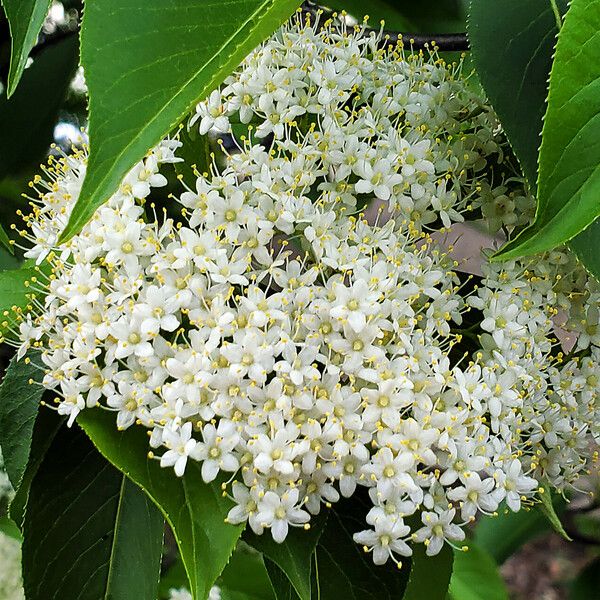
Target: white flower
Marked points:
437	528
212	114
216	450
278	512
181	445
512	484
387	538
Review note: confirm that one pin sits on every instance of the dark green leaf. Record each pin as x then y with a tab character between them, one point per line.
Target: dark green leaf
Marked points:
429	575
586	245
503	535
339	567
147	62
196	151
194	510
294	555
174	578
569	160
20	395
245	577
27	120
90	533
344	570
511	45
47	424
547	508
475	576
284	590
587	584
25	18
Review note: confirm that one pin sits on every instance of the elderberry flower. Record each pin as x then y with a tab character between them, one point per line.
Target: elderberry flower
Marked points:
300	330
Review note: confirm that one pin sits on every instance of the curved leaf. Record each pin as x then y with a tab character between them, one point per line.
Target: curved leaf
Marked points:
47	424
502	535
25	19
569	161
294	556
245	577
89	532
475	576
429	575
28	119
585	245
512	44
547	508
15	296
336	567
20	395
194	510
127	47
345	571
5	240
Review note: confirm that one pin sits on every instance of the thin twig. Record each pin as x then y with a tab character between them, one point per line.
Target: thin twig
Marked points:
444	42
447	42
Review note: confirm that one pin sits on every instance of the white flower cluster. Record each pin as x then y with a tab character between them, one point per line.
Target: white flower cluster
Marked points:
299	329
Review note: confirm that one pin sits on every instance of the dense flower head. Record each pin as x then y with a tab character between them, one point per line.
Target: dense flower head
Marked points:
303	327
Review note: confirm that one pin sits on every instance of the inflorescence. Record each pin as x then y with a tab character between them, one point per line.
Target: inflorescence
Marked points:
300	329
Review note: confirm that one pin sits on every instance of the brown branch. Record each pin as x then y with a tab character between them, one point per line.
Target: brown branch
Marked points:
444	42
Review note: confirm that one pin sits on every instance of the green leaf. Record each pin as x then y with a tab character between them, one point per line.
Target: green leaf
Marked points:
90	533
547	508
429	575
47	424
27	120
196	154
503	535
9	527
569	160
174	578
511	45
245	577
5	240
194	510
475	576
25	19
338	567
585	245
15	295
294	555
587	584
147	62
344	570
20	395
